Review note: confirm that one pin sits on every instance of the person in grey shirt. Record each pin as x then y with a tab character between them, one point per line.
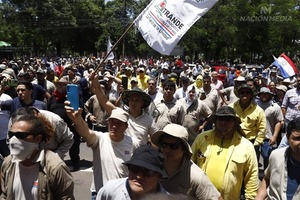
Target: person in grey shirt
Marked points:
145	171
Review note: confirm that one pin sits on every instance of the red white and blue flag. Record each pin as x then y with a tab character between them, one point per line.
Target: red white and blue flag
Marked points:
286	66
163	22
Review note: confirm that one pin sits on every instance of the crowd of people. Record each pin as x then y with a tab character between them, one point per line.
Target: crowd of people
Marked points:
156	127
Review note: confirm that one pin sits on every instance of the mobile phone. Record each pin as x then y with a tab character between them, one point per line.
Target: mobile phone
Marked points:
73	95
125	82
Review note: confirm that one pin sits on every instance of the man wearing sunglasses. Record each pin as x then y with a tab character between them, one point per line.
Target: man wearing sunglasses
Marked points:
32	171
227	157
184	176
145	171
252	116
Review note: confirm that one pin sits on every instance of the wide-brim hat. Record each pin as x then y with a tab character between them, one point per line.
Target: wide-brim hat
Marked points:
282	88
146	98
174	130
149	158
225	111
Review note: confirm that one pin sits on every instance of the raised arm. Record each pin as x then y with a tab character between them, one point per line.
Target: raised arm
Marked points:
80	125
100	94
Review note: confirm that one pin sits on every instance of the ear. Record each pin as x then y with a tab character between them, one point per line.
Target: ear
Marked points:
38	139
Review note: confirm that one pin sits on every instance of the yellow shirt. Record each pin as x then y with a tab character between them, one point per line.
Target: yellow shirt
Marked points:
143	81
216	170
241	166
253	121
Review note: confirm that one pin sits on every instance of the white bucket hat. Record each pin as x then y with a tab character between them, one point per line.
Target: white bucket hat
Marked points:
174	130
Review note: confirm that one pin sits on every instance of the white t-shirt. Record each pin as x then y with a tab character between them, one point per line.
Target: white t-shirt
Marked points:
25	184
141	127
108	158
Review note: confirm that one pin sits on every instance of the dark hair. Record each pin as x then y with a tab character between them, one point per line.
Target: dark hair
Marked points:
27	84
293	125
185	80
39	124
24	75
206	77
169	84
20	112
151	79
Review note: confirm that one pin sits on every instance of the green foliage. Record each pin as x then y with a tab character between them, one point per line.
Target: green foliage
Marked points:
245	30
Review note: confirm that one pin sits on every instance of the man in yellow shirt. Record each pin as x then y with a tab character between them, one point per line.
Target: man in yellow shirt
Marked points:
252	116
142	79
227	157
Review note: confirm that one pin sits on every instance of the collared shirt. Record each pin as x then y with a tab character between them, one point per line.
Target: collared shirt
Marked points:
180	93
55	181
190	180
291	102
143	81
169	112
253	121
141	127
218	85
92	107
273	116
119	189
192	115
212	99
241	164
229	92
277	174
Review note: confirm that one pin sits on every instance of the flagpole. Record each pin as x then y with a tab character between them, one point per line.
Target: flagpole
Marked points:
113	47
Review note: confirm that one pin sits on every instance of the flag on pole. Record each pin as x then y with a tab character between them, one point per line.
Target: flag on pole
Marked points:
285	65
163	22
109	45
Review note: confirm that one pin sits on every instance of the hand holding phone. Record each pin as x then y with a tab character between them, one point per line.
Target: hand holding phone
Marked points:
73	95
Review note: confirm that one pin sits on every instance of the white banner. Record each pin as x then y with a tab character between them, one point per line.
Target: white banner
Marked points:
109	45
163	22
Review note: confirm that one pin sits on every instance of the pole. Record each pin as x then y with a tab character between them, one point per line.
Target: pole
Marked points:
114	46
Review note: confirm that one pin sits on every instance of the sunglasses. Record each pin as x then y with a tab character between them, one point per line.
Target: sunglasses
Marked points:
245	92
225	118
140	170
173	146
19	135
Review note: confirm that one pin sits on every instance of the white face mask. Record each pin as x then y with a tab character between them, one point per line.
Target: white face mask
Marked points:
20	149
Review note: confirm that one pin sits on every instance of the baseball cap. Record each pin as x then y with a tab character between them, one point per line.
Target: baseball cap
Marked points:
119	114
141	69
